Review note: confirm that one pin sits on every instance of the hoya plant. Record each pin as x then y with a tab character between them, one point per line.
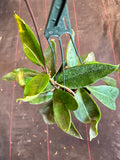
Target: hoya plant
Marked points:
57	99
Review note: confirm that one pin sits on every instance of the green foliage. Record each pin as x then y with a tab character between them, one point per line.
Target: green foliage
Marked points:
50	58
30	44
66	98
110	81
47	113
27	74
75	77
42	98
88	111
58	101
71	57
105	94
34	87
61	112
74	132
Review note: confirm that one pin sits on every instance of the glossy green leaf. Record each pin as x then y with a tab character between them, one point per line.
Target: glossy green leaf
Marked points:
42	98
67	99
85	74
31	46
61	113
9	77
71	57
105	94
20	78
48	88
88	57
50	58
110	81
27	74
47	113
34	87
93	132
88	111
74	132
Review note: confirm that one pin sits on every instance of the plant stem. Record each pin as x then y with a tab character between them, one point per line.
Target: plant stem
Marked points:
36	29
67	89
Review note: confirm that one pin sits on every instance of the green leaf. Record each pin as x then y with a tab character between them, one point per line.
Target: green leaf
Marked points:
42	98
47	113
27	74
20	78
48	88
61	113
105	94
34	87
67	99
74	132
109	81
31	46
88	111
9	77
88	57
71	57
85	74
50	58
93	132
60	69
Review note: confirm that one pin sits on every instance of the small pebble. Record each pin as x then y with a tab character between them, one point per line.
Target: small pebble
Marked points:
45	131
98	141
29	140
50	141
72	147
56	153
34	136
18	154
0	38
1	89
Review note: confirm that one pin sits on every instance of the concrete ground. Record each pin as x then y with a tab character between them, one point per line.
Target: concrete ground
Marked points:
29	132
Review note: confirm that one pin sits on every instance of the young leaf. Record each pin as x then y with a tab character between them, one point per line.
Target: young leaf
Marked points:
50	58
67	99
71	57
85	74
88	111
27	74
31	47
61	113
48	88
9	77
88	57
47	113
109	81
74	132
42	98
36	85
20	78
105	94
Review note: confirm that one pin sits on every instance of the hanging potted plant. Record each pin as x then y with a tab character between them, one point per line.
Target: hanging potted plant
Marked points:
66	89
